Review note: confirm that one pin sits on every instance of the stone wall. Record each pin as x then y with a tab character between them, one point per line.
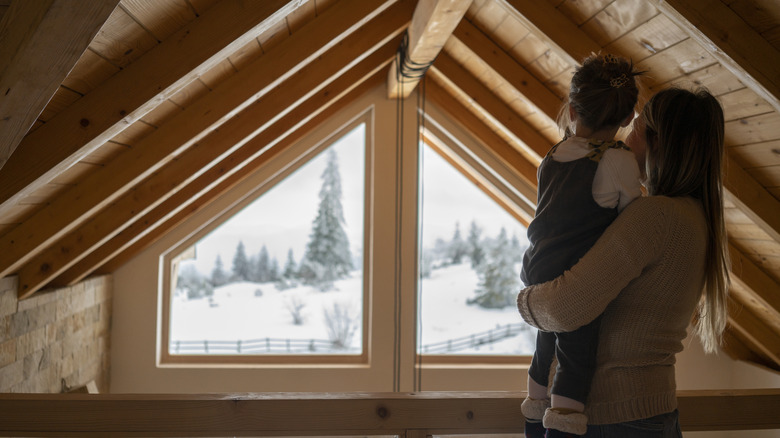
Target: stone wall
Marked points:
55	340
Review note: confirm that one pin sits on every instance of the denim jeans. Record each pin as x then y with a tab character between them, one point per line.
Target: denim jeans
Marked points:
660	426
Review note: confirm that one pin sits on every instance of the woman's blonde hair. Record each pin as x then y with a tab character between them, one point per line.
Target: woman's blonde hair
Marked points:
685	154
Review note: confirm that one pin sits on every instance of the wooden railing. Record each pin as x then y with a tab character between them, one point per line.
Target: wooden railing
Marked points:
323	414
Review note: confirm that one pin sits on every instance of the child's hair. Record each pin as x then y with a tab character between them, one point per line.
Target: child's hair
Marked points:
603	92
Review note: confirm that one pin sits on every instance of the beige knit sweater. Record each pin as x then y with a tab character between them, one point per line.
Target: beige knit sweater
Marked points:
646	274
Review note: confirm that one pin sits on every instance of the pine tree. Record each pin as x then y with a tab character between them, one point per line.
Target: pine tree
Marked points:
475	251
458	247
327	256
241	266
262	266
498	281
290	267
218	275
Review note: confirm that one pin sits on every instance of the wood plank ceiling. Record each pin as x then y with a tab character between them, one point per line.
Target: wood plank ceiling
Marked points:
175	101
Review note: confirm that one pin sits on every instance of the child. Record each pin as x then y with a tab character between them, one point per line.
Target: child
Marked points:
584	182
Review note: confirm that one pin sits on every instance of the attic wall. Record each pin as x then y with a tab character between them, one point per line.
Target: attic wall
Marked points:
55	340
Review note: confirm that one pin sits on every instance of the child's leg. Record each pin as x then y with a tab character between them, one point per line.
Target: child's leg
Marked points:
537	402
576	353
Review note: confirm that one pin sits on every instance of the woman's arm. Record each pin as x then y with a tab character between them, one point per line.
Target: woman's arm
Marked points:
581	294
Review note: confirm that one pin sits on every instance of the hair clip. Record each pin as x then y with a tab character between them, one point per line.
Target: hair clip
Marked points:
618	81
611	59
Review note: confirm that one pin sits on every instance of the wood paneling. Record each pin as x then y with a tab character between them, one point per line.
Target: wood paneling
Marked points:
162	18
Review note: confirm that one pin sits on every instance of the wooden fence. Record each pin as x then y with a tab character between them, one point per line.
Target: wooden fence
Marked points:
298	346
408	415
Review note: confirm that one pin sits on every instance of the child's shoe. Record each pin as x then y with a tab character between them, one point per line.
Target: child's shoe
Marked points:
566	420
533	411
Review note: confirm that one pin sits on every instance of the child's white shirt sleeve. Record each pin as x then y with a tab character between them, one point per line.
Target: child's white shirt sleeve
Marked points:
616	182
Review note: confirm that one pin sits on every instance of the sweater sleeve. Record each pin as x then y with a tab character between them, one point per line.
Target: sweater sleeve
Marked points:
581	294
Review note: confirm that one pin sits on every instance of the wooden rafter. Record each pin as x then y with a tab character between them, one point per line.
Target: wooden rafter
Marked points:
752	198
751	277
40	42
535	145
763	338
107	184
458	111
130	94
730	40
508	68
558	31
432	24
197	160
233	169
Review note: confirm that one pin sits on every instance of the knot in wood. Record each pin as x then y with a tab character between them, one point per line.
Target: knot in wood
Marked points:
470	415
382	412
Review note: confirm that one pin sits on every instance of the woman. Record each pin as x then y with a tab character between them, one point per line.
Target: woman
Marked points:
647	271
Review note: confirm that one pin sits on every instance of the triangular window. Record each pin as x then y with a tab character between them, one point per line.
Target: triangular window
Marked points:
284	275
472	250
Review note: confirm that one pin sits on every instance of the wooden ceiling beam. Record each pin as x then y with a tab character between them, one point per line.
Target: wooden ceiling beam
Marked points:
554	28
752	278
752	198
432	24
506	119
99	189
40	42
730	40
193	198
470	122
507	67
130	94
228	139
752	328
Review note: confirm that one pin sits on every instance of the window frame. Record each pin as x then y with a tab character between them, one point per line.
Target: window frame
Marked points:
481	165
267	177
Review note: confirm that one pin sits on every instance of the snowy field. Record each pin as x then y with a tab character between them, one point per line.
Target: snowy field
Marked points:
239	311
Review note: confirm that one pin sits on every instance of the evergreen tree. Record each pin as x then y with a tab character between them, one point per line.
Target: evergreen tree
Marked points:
458	248
475	251
290	267
327	256
498	281
241	267
262	267
517	250
218	275
273	271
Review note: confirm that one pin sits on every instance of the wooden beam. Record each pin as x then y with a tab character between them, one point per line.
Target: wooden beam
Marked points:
432	24
227	140
98	190
536	145
40	42
232	169
508	68
749	326
511	156
332	414
752	198
130	94
761	286
730	40
555	29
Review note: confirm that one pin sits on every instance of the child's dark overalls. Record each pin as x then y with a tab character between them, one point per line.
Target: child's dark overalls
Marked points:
568	222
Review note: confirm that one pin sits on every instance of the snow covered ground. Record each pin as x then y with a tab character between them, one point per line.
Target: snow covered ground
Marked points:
239	311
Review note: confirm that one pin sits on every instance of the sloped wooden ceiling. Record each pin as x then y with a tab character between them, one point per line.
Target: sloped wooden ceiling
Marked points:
175	101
